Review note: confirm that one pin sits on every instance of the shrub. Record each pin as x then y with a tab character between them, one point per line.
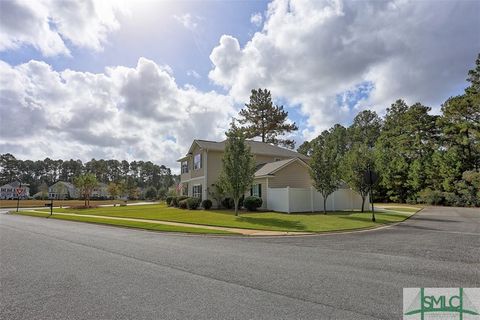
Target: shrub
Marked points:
193	203
206	204
183	204
174	202
228	203
180	198
150	193
430	196
452	199
252	203
169	200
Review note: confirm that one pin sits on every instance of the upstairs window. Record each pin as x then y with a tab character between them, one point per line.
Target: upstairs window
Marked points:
197	161
184	168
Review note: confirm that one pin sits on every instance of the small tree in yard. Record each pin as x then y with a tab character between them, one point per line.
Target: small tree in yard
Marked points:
85	184
114	190
238	165
325	161
217	193
356	162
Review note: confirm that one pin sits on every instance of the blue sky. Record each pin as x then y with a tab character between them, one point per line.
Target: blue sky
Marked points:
140	80
159	36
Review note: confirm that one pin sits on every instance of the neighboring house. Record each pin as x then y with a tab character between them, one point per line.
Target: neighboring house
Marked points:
278	170
100	191
62	190
9	191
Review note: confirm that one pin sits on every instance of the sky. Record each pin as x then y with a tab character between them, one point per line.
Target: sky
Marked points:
139	80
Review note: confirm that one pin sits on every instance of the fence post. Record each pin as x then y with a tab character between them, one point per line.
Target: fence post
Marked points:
288	199
311	198
333	200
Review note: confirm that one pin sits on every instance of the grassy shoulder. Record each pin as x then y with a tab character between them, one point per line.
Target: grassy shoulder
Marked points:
305	222
64	203
123	223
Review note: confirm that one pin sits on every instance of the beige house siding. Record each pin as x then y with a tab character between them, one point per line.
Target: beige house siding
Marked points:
214	166
295	175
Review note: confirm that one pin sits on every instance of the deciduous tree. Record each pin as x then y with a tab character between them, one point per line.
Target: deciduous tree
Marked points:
238	165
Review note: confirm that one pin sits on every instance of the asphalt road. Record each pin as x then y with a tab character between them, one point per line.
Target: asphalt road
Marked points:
53	269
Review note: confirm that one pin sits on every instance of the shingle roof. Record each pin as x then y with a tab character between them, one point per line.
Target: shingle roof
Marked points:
256	147
15	184
271	167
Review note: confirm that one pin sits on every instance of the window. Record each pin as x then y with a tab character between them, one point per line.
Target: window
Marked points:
277	159
185	189
184	166
197	191
197	161
256	190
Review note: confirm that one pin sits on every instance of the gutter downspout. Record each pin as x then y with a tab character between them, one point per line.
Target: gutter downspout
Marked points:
205	173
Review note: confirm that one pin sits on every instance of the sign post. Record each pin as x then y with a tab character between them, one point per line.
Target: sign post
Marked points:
18	191
50	205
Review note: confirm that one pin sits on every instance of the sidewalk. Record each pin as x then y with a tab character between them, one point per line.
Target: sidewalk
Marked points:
245	232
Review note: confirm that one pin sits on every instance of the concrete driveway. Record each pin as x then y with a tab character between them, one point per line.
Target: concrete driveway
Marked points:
52	269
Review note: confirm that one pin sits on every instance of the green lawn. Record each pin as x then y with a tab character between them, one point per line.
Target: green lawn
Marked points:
128	224
309	222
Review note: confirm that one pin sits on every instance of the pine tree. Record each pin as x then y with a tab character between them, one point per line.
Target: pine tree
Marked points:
265	120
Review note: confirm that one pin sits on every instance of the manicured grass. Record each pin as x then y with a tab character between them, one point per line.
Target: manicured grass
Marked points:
308	222
129	224
56	203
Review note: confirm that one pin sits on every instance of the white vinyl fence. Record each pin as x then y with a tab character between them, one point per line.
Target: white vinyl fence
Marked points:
309	200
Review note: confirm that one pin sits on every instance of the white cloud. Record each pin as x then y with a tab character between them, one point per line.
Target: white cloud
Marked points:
46	24
256	19
188	21
314	53
123	113
193	73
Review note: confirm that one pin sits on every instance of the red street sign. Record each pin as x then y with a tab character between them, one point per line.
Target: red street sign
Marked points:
19	191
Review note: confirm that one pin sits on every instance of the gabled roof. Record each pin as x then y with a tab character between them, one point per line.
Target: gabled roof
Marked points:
256	147
271	167
14	184
65	183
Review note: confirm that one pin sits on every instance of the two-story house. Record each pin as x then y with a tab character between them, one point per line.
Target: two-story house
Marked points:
62	190
14	190
276	168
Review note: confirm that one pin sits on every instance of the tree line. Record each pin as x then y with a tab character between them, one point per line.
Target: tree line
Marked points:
419	157
130	175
